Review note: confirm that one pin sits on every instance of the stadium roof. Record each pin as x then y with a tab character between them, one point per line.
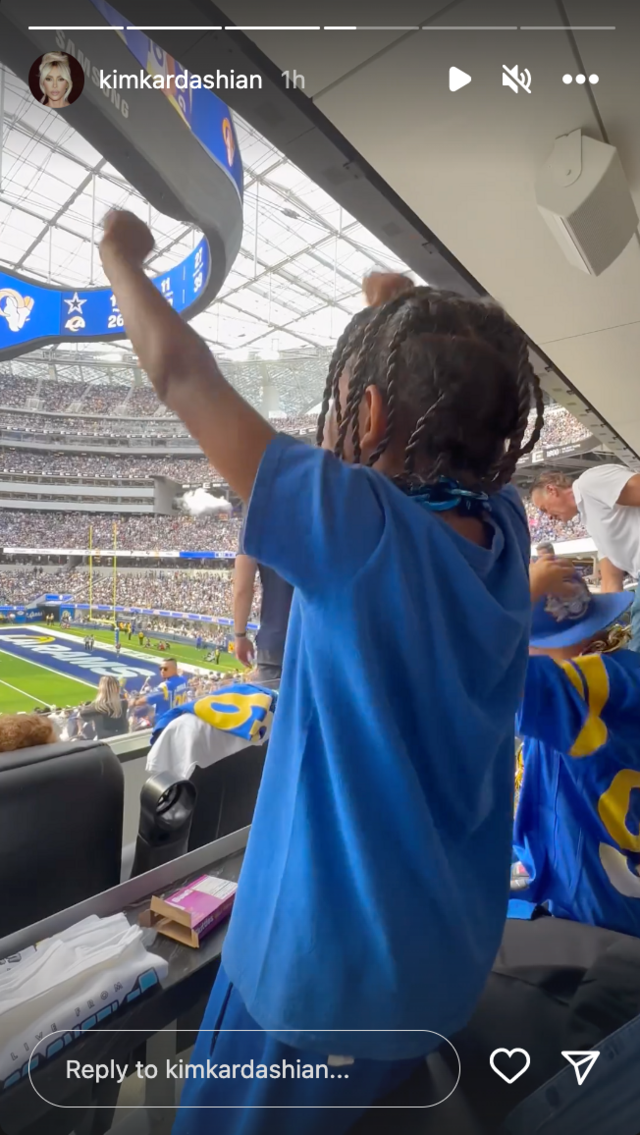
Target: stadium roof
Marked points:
295	283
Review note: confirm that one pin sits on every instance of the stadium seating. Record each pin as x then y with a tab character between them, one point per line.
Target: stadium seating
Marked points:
61	809
135	533
226	795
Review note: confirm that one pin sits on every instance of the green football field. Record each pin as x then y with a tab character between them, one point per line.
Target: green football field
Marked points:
24	685
177	650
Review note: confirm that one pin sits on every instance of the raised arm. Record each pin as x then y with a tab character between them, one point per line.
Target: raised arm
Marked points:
178	362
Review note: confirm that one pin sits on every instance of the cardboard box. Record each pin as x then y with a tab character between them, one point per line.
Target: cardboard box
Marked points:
191	913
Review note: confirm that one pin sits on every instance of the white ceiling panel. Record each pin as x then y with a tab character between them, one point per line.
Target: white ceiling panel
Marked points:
466	163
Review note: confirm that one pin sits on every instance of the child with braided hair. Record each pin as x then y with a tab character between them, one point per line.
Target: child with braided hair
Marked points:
376	877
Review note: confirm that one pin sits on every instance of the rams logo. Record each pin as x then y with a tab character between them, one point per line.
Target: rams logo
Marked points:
75	323
574	607
15	308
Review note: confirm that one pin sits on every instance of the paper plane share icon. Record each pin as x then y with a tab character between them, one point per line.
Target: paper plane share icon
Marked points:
582	1063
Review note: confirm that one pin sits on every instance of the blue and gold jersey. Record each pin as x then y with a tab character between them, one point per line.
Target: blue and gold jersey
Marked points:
577	827
242	710
171	692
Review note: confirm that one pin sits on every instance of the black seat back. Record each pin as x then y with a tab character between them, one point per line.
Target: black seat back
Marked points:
61	809
227	792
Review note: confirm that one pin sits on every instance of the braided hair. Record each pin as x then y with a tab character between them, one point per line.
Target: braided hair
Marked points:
456	379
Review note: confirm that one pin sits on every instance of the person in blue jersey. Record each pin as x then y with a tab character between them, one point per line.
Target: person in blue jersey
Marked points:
172	690
375	882
578	815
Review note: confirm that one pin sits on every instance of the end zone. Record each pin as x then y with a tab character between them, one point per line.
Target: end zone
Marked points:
50	652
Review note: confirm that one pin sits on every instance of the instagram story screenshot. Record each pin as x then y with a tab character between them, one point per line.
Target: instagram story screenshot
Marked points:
305	828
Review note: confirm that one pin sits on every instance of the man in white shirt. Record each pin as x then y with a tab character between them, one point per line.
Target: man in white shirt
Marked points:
607	499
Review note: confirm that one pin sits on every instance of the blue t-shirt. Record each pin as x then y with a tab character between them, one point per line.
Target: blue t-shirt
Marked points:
171	692
375	882
578	819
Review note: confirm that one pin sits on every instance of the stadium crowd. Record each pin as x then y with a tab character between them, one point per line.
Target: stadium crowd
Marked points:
187	471
201	592
121	426
138	407
134	533
560	428
115	426
28	583
195	592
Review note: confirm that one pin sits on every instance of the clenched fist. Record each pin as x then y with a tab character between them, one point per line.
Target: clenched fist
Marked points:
126	236
553	577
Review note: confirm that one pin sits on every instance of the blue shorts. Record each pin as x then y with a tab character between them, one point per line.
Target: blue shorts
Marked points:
254	1106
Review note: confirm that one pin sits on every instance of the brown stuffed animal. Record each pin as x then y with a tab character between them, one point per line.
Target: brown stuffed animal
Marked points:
22	730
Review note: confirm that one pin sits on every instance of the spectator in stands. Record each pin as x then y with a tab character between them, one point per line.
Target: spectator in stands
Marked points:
578	812
172	691
274	618
24	730
115	467
107	713
201	592
135	533
607	499
421	387
560	428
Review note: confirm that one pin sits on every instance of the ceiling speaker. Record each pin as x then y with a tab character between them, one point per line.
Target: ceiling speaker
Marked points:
583	196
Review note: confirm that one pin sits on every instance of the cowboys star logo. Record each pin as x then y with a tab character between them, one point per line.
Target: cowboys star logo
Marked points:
75	304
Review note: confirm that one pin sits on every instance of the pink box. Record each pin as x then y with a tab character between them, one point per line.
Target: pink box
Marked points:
191	913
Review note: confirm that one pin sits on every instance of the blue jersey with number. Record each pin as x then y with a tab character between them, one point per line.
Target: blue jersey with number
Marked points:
577	828
170	693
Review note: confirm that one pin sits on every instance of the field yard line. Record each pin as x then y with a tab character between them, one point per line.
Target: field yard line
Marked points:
23	692
51	670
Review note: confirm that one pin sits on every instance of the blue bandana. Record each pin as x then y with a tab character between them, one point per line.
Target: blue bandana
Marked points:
445	494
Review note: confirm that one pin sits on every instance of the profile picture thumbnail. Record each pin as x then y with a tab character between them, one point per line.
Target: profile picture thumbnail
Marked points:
56	79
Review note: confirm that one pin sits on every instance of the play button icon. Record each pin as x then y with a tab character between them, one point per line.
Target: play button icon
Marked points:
458	78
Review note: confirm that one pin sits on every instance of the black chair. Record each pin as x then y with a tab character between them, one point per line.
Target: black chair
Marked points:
61	810
227	792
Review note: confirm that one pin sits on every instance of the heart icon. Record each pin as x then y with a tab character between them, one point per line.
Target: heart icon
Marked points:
510	1053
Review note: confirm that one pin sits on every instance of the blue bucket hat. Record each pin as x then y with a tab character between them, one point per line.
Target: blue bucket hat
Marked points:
562	622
